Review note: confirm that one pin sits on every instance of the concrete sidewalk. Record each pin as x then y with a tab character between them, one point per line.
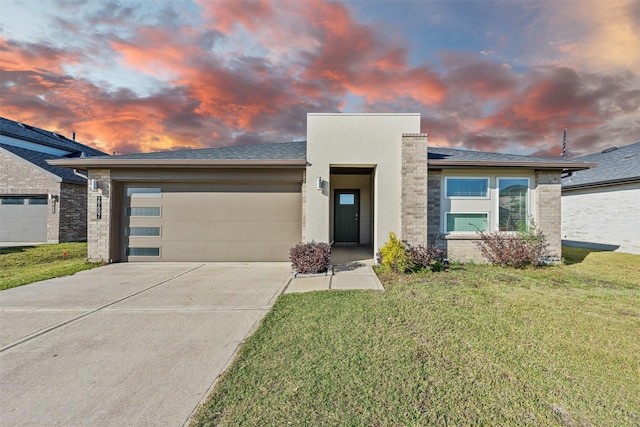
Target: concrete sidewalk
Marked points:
352	269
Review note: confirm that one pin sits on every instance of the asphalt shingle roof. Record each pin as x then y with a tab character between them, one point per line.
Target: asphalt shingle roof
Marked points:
44	137
614	165
39	159
440	153
269	151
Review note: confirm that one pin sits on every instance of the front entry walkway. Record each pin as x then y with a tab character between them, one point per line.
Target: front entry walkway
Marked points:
352	269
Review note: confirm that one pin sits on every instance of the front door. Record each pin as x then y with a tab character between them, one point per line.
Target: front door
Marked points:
347	216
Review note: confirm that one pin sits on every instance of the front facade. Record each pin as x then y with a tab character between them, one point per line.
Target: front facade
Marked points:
601	206
357	178
40	203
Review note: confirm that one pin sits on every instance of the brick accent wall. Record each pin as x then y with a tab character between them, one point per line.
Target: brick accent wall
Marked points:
17	176
463	248
548	209
414	189
434	193
99	229
73	212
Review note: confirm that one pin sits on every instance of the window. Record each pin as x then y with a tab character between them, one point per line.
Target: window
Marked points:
467	222
143	231
347	199
38	201
143	211
143	192
143	251
12	201
466	187
513	203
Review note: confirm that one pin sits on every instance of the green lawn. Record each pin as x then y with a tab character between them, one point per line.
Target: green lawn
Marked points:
477	345
28	264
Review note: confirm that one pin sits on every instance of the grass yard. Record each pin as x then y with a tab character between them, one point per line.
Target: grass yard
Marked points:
28	264
477	345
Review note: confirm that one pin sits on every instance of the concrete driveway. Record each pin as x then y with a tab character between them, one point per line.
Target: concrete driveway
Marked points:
127	344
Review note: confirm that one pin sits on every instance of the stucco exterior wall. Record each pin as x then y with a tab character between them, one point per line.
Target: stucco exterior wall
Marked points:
603	218
371	140
19	177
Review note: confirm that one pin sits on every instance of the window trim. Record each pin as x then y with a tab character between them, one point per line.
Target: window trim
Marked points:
497	204
446	221
446	185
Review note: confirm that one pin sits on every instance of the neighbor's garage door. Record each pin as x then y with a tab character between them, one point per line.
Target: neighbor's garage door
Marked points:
23	219
210	222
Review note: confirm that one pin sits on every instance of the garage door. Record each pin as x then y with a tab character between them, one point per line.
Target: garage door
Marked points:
23	219
210	222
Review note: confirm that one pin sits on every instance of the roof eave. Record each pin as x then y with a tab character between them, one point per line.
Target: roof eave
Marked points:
493	164
630	180
109	163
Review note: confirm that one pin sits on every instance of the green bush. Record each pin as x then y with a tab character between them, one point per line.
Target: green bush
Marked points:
393	255
526	247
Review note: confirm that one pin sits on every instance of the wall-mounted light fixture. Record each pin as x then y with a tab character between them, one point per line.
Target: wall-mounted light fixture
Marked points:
94	184
54	201
319	183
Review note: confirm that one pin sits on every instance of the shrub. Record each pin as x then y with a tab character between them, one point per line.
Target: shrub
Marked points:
394	255
430	257
525	247
401	257
310	258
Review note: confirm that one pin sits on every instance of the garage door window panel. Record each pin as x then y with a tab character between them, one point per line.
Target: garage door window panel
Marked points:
12	201
143	231
144	211
153	252
144	192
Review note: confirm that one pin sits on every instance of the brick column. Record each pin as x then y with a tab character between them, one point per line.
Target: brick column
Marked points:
99	229
548	210
414	189
434	191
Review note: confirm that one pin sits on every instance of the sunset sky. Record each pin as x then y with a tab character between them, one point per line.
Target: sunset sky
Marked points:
148	75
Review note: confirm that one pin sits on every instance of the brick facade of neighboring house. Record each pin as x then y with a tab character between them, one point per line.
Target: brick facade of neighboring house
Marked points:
25	174
601	206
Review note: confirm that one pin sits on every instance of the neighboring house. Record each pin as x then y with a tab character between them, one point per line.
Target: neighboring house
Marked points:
601	206
39	202
356	178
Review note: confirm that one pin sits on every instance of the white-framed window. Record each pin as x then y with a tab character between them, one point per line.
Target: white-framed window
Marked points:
466	222
513	203
466	187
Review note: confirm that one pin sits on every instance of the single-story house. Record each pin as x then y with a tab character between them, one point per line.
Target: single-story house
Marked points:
40	202
355	179
601	206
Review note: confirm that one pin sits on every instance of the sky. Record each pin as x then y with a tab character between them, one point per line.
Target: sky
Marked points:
149	75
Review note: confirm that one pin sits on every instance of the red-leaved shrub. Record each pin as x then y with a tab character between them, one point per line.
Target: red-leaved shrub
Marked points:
524	248
310	257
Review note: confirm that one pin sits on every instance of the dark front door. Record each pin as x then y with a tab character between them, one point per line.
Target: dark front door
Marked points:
347	216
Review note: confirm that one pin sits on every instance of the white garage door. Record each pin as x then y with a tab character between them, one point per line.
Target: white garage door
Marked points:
210	222
23	219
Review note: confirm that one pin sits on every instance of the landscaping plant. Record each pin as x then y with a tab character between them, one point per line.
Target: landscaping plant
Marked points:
526	247
310	258
401	257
